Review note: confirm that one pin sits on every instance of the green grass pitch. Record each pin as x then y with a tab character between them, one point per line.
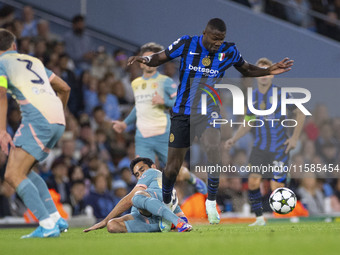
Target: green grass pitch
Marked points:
275	238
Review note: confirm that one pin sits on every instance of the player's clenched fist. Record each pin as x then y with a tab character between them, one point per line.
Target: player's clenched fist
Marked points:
139	59
229	143
119	126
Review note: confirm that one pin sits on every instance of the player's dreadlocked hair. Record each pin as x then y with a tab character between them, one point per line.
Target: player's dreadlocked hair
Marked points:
6	39
135	161
217	24
152	47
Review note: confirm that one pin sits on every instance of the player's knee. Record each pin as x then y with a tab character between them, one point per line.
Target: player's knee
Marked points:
138	198
111	227
143	193
115	227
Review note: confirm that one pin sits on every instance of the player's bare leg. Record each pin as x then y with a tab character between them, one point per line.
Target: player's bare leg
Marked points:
211	140
143	201
172	168
164	225
18	166
46	198
117	225
255	198
275	185
254	181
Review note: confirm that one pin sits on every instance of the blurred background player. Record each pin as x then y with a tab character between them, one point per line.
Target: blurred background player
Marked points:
154	95
42	97
79	46
271	145
147	206
204	60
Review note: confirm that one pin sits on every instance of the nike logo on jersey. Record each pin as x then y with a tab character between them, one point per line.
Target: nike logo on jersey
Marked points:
193	53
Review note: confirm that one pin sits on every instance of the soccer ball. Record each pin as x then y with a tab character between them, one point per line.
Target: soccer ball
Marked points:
282	200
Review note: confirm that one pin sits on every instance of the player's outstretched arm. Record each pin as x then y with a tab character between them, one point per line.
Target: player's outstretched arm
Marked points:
281	67
250	70
152	60
99	225
62	89
292	141
5	138
124	204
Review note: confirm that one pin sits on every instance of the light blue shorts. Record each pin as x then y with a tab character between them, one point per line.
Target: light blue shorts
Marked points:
38	137
142	223
152	146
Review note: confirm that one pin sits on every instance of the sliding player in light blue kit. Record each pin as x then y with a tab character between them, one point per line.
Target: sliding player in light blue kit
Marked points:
148	210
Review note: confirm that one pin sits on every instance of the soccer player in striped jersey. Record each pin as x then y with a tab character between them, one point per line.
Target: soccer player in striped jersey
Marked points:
204	60
155	94
42	97
271	145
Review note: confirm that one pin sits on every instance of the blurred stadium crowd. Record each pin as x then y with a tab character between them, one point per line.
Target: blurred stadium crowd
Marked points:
321	16
89	168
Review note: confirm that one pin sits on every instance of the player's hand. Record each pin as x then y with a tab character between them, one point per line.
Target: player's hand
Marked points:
157	99
134	59
229	143
5	139
291	144
281	67
99	225
119	126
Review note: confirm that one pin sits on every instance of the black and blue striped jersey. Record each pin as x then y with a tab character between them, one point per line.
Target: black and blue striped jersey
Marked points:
271	135
199	68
